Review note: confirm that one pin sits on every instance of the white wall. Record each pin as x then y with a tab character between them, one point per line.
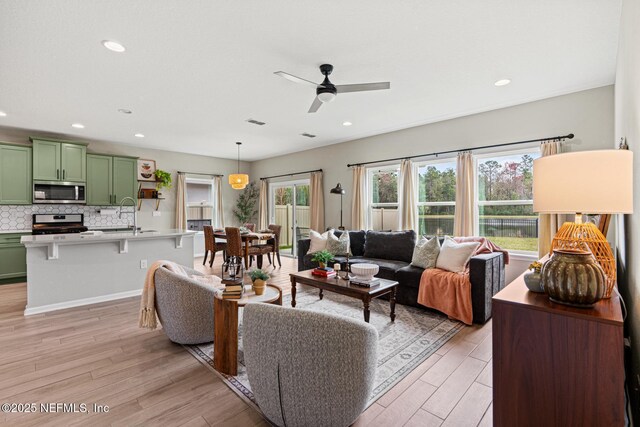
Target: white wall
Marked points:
165	160
587	114
627	125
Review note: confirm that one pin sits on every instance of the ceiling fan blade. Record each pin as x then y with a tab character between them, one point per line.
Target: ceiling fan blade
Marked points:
294	79
363	87
315	105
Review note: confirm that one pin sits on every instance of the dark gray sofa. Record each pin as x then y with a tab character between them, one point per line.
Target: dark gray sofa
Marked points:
392	251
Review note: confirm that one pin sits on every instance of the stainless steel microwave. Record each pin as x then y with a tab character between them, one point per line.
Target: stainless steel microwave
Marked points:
59	192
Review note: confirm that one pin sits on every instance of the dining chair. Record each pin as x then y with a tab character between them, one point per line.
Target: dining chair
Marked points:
235	248
210	245
272	246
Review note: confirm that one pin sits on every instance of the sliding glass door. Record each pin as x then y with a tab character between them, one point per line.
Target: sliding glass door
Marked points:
289	208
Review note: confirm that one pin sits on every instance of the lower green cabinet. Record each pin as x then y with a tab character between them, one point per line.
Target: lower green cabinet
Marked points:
110	179
15	175
13	258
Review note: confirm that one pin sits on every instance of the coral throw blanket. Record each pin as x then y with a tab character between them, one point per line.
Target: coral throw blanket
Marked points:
147	317
450	292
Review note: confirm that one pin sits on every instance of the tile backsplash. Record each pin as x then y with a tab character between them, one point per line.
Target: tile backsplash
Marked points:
18	217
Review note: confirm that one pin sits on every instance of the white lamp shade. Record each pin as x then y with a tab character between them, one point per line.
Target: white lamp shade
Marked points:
597	182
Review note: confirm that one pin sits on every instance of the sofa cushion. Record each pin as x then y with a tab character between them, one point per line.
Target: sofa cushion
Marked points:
455	256
356	240
409	276
339	245
426	252
393	245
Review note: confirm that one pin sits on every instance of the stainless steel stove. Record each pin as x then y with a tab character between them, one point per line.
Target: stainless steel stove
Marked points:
57	223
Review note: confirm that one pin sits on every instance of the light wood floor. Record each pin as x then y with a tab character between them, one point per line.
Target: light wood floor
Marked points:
98	355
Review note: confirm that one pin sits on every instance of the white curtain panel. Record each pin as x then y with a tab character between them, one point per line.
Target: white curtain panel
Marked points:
408	218
359	201
548	224
181	202
464	218
316	196
263	207
218	209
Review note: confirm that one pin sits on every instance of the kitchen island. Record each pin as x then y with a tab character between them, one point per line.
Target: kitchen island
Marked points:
69	270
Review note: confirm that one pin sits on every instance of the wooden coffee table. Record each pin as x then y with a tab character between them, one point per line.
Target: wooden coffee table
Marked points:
344	287
225	325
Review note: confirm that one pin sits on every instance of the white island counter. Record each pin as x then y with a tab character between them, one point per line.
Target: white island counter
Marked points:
68	270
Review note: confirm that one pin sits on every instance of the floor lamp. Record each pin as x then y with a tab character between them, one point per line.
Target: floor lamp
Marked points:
339	190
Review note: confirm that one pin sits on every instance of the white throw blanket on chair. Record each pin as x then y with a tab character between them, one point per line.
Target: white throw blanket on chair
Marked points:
147	317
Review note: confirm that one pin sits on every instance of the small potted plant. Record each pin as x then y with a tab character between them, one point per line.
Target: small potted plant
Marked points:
163	179
259	279
322	257
533	279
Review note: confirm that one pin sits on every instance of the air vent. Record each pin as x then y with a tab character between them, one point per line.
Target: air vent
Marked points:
308	135
256	122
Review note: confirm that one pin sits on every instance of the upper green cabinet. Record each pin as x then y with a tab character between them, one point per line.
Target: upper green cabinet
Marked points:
15	175
59	161
110	179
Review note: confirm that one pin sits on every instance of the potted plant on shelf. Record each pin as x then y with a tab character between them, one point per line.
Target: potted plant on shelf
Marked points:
163	180
259	279
322	257
533	279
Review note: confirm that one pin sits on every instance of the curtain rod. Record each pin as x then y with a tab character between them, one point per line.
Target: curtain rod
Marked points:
290	174
200	173
569	136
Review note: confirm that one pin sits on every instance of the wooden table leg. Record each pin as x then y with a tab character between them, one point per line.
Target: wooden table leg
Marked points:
366	309
225	336
392	303
246	255
293	292
321	294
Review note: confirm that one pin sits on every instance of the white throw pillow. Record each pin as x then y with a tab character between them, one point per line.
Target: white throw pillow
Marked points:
318	241
455	256
426	252
339	245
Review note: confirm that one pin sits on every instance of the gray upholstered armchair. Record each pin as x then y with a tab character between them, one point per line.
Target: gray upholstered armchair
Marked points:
184	307
308	368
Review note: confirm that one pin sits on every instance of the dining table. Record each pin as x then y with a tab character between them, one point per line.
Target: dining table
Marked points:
247	239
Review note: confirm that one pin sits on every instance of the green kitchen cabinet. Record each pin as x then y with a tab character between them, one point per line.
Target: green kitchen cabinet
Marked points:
110	179
99	180
73	162
59	161
125	183
13	258
15	175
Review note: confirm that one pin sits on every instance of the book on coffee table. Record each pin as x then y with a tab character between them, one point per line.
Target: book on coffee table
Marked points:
364	283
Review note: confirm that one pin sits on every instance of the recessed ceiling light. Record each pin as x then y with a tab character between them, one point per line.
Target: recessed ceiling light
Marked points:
77	126
124	111
502	82
346	123
113	46
3	114
139	135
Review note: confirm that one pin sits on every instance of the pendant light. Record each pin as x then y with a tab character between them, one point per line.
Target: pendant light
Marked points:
238	181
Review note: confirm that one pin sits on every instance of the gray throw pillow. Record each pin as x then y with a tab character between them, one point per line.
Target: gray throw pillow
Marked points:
426	252
339	245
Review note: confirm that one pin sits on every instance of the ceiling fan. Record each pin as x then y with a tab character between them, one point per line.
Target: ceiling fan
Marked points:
327	91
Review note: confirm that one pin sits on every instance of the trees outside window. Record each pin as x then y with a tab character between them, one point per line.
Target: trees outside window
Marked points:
505	200
383	197
436	197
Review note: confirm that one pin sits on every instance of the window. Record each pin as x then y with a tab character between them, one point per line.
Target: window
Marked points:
382	184
200	203
505	200
436	197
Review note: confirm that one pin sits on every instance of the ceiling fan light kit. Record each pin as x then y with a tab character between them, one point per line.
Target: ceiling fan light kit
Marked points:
327	91
238	181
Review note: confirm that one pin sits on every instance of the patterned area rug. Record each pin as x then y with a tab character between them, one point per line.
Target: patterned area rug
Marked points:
403	345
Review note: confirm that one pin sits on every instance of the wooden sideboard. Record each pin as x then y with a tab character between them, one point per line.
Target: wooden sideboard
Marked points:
555	365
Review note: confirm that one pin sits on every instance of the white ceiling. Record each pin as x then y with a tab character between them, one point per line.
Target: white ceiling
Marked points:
194	71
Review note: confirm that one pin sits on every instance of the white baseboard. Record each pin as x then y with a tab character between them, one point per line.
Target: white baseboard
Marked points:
79	302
